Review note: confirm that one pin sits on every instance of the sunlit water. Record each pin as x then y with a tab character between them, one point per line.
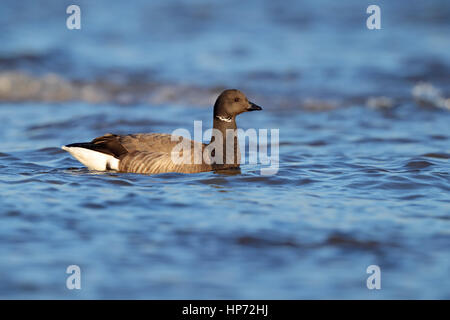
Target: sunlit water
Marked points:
357	186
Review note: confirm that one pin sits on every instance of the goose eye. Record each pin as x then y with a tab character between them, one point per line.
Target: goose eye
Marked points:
236	99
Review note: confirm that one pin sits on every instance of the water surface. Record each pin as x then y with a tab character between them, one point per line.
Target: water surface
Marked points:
364	157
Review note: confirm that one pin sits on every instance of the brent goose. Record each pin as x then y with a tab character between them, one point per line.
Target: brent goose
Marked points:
152	153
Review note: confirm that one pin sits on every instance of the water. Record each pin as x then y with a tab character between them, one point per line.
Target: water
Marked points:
364	162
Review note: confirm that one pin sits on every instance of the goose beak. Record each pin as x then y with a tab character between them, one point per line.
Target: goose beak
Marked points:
253	107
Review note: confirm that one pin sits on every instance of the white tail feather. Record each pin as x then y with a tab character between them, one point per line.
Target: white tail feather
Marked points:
92	159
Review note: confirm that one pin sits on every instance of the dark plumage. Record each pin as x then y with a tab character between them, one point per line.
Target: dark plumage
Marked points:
151	153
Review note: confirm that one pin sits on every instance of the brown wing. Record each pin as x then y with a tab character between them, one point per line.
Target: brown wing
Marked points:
151	142
152	153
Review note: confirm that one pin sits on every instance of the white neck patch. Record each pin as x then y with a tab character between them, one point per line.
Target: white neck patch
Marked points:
224	119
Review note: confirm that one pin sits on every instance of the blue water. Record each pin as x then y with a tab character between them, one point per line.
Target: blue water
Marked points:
357	185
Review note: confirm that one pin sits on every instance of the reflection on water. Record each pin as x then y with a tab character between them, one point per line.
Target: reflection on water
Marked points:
348	194
364	150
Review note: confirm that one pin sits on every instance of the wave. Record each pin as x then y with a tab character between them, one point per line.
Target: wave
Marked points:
19	86
16	86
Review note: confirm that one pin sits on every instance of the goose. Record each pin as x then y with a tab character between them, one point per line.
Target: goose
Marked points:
153	153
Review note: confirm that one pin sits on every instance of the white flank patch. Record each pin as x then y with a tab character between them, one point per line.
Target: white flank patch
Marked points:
92	159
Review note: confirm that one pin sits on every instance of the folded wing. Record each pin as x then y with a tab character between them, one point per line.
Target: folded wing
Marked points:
152	153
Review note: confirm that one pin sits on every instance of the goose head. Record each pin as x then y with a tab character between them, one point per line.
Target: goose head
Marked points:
232	102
